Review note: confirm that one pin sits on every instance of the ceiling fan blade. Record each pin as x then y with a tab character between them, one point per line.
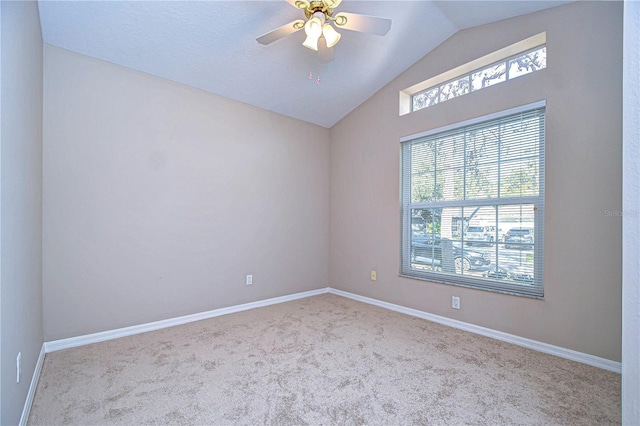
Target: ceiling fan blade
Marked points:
300	4
363	23
281	32
332	4
325	54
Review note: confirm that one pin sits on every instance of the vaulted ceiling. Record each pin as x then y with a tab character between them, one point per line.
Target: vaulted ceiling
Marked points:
211	45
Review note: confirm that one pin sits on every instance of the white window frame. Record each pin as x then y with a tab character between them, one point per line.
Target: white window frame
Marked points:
535	290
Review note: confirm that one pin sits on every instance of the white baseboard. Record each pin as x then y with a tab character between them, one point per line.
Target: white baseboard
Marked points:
595	361
87	339
143	328
572	355
32	388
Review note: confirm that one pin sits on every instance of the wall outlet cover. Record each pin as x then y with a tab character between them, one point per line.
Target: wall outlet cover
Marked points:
455	302
18	367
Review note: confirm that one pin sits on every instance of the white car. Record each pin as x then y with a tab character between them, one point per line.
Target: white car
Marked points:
479	235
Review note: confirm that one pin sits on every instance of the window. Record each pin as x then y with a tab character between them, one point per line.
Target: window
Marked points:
473	203
512	61
507	69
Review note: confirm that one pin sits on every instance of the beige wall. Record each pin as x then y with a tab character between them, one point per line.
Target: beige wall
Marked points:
583	89
160	198
21	202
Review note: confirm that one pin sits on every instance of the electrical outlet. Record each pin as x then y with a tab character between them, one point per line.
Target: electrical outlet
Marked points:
18	367
249	279
374	275
455	302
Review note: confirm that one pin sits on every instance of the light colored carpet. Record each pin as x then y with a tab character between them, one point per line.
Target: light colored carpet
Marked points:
320	360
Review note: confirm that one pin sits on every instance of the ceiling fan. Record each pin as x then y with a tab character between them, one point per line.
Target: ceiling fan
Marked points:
321	36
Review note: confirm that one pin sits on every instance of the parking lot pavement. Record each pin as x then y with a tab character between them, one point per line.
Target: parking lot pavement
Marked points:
509	260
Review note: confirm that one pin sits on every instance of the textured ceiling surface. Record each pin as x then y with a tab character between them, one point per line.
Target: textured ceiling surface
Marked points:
211	45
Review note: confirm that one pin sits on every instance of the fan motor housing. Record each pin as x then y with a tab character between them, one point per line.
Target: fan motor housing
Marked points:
315	7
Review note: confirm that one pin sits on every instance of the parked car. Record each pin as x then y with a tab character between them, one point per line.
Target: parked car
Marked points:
479	235
520	238
426	249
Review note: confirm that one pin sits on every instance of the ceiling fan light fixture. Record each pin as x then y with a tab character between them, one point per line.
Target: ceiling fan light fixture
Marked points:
313	29
325	53
321	23
331	35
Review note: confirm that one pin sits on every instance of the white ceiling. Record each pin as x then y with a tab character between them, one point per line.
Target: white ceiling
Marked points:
211	45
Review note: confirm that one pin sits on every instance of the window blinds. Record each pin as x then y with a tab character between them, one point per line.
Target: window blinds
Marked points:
473	203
